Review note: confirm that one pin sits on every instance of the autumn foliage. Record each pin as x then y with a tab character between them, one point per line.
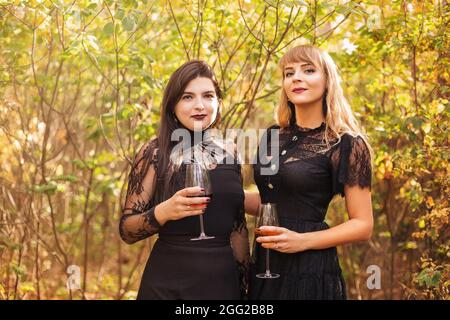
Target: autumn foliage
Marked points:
80	87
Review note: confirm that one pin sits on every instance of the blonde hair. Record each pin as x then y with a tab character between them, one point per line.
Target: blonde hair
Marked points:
339	118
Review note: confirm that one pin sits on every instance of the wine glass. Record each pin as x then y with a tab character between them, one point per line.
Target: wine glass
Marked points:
197	176
267	217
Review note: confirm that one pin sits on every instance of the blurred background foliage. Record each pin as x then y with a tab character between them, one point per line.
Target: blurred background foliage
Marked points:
80	88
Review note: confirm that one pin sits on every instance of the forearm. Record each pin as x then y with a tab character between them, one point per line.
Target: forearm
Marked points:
252	202
349	231
161	213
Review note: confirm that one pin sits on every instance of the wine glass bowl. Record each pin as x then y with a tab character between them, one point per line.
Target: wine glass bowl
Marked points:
197	176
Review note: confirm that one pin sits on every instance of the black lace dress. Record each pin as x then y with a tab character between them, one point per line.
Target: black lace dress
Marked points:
310	174
177	267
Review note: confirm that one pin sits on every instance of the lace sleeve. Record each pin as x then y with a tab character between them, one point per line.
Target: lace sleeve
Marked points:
138	216
351	164
240	244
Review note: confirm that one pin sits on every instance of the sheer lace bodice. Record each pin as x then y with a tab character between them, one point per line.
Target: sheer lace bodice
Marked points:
347	158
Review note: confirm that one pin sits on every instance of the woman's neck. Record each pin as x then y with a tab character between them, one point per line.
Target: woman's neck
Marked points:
309	116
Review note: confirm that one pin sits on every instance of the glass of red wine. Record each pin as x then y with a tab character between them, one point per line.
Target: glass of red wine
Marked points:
267	217
197	176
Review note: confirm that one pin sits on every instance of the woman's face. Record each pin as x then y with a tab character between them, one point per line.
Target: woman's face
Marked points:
303	83
197	108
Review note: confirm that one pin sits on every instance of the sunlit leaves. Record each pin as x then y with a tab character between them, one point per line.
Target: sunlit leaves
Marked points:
105	64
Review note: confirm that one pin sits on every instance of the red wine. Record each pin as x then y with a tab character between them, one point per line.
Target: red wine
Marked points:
201	204
262	233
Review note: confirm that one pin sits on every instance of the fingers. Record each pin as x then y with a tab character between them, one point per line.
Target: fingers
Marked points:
196	201
272	234
183	210
195	212
273	229
194	207
272	245
270	239
188	200
184	206
191	206
193	196
192	192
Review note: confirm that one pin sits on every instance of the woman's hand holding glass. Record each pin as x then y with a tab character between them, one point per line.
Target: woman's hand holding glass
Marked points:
282	239
184	203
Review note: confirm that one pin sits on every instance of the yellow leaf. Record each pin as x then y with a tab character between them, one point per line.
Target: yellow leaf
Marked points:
430	202
27	287
422	224
411	245
426	127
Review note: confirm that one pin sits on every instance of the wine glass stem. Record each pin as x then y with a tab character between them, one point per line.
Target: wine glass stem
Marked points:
267	262
202	228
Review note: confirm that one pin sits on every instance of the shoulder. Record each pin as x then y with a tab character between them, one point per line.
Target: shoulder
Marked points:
355	148
358	143
354	140
274	126
148	151
149	147
350	144
270	129
351	163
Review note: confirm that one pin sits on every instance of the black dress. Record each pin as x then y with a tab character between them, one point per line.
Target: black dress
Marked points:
177	267
310	174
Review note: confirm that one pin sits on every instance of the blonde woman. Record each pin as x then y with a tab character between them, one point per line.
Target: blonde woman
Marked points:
322	153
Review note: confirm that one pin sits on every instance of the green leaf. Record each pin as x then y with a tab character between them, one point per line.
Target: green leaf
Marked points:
435	279
70	178
108	29
120	14
79	164
19	270
92	6
128	23
45	188
429	278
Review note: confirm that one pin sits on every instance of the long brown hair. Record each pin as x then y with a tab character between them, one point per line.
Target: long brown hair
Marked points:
173	92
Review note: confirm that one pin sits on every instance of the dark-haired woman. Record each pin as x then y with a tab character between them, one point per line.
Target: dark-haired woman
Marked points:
158	203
